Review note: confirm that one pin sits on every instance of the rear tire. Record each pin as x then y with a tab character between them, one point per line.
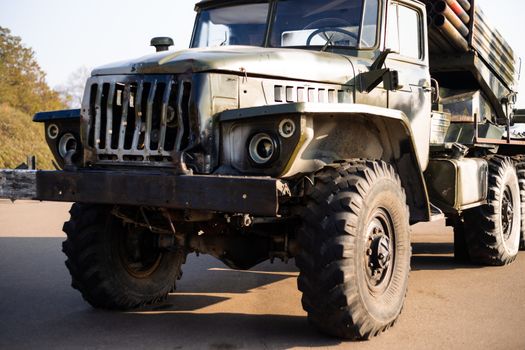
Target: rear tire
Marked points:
521	179
493	230
355	256
115	266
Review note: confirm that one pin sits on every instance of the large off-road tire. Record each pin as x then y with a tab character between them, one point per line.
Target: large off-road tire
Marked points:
355	249
115	266
520	167
492	231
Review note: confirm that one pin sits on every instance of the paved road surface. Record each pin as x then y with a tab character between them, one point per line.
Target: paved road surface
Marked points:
449	306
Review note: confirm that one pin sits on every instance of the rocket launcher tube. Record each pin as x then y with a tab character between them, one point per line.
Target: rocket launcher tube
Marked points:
440	43
451	33
465	4
459	11
442	8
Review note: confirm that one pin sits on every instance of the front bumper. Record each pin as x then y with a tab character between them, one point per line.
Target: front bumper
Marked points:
257	196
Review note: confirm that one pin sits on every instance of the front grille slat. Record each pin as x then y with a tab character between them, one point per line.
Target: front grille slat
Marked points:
164	116
98	116
180	121
138	116
138	120
149	118
124	116
90	125
109	120
104	116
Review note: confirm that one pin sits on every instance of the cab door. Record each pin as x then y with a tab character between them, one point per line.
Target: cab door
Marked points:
406	35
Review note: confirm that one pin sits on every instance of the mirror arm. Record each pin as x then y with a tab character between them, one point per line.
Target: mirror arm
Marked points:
380	60
370	80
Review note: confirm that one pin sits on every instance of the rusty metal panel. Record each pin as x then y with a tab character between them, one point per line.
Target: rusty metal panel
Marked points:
229	194
18	184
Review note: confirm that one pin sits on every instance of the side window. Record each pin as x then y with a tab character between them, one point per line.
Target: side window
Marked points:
392	34
409	32
369	30
404	31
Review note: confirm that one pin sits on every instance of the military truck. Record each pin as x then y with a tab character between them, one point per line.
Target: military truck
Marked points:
318	130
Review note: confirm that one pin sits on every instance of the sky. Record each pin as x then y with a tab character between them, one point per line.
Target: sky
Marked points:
69	34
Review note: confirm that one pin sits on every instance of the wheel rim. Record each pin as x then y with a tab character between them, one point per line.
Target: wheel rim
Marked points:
507	213
379	252
138	252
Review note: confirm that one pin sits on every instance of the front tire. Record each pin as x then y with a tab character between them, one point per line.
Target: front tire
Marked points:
116	266
355	257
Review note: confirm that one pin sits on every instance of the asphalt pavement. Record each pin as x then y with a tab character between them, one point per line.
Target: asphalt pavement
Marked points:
449	306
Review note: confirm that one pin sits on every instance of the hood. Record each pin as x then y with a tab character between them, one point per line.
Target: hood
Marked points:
297	64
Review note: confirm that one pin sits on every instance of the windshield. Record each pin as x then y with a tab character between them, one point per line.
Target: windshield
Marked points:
233	25
294	23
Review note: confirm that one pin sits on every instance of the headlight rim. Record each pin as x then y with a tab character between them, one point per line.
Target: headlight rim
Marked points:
254	140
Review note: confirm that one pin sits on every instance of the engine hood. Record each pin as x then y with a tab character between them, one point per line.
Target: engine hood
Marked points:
297	64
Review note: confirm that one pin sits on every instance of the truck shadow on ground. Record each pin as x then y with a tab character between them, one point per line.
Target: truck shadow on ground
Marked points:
437	256
43	305
224	331
40	310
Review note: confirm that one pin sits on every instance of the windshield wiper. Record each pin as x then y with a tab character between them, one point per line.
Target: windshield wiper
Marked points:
225	39
328	43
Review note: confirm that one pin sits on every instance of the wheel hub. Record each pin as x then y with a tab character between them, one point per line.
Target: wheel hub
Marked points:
379	252
138	252
507	213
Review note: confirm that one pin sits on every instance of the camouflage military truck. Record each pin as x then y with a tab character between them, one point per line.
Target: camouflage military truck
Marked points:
318	130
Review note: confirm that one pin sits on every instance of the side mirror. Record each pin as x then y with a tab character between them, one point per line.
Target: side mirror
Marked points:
391	80
371	79
162	43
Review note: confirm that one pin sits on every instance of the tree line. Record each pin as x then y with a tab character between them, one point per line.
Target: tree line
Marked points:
22	81
23	92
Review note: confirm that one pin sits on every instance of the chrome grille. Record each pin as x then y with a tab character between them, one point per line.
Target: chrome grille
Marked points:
138	119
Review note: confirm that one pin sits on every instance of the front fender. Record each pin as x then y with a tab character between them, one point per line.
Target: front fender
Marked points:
335	132
62	132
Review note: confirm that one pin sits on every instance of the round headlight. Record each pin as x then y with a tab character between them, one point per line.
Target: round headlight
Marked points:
262	148
287	128
53	131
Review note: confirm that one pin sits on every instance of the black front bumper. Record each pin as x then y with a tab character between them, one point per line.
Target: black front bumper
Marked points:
229	194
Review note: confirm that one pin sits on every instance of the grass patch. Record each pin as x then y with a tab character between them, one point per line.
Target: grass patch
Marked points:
20	137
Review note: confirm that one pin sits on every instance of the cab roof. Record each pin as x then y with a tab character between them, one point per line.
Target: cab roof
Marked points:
215	3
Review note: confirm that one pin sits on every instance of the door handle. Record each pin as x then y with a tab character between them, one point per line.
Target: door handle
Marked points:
426	87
